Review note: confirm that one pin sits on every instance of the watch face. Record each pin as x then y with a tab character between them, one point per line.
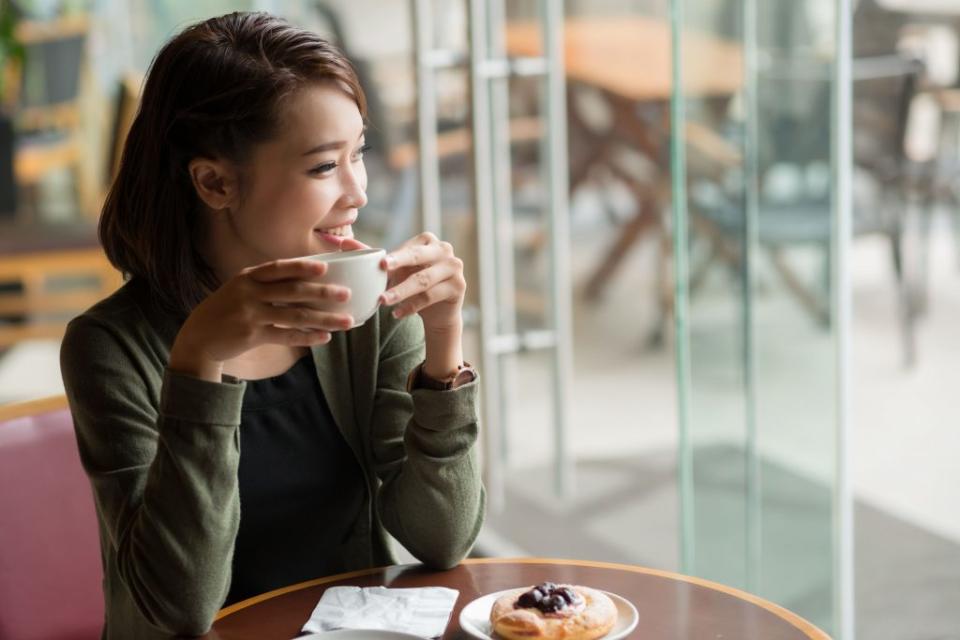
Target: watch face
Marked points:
421	380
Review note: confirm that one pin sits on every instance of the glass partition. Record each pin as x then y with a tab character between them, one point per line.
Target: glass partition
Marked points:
759	188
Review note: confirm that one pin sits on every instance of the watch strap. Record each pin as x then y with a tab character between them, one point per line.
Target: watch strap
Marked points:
419	380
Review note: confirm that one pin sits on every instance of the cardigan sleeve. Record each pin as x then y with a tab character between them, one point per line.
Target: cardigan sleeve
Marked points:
163	472
431	497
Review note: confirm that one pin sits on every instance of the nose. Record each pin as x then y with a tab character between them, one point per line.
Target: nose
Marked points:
355	185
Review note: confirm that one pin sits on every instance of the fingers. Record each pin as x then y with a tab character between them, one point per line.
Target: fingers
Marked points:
445	291
396	276
421	281
423	272
422	250
290	269
302	292
301	317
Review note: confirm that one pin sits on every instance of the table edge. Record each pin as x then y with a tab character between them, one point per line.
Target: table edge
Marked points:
812	631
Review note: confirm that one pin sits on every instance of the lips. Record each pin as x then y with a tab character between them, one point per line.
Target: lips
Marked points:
335	235
345	231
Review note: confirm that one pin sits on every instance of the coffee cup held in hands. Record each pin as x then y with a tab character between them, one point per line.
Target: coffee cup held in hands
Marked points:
360	272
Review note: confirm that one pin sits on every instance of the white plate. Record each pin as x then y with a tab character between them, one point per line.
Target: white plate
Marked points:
360	634
475	617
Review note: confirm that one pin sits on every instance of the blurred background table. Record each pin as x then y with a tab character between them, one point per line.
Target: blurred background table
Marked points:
669	605
47	276
630	56
620	81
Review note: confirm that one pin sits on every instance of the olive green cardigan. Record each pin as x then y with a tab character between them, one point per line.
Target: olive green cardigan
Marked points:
161	450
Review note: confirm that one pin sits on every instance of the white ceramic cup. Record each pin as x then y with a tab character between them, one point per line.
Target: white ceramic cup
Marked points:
359	271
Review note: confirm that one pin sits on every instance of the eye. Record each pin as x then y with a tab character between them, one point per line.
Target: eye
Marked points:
323	168
358	155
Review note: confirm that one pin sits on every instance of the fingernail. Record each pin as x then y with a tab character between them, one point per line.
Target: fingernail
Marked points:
390	261
388	296
397	313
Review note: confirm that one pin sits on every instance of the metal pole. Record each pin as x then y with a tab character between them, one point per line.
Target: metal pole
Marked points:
486	251
753	540
842	239
429	166
502	211
559	220
681	296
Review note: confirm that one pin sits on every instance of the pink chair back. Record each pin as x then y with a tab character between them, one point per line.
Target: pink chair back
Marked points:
50	570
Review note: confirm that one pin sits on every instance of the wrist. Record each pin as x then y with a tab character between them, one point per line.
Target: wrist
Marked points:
444	352
191	362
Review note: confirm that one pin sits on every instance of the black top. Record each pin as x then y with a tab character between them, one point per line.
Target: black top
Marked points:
294	466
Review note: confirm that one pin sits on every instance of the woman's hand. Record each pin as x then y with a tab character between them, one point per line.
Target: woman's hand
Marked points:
425	277
272	303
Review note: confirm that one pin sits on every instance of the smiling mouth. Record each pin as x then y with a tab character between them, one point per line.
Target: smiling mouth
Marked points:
345	231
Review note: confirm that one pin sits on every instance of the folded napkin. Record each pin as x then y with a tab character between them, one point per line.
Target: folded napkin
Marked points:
421	612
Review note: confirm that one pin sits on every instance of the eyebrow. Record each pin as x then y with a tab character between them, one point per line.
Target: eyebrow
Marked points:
330	146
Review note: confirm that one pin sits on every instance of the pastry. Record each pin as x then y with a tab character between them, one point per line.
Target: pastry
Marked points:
551	611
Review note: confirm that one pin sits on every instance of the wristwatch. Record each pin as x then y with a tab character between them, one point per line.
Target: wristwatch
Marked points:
419	380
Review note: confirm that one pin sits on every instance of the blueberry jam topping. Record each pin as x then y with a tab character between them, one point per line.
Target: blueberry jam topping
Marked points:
547	597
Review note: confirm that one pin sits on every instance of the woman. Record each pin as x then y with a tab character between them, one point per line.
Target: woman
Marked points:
237	437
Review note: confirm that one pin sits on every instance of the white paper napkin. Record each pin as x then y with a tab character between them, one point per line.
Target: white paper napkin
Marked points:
421	612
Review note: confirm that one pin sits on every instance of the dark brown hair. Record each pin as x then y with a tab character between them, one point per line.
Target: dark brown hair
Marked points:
215	90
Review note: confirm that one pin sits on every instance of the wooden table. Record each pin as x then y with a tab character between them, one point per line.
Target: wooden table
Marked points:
630	56
628	60
671	606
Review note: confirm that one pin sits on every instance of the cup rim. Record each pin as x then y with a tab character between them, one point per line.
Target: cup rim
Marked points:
338	256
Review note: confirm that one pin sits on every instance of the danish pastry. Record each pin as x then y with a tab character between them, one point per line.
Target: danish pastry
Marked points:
553	612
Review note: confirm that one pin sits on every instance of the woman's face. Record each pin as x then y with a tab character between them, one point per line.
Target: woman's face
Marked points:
301	190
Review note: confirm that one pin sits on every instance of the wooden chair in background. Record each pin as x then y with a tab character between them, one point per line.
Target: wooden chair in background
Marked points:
46	289
47	99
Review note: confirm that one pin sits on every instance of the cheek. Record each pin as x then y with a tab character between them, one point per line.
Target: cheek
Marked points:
318	196
289	198
297	199
268	190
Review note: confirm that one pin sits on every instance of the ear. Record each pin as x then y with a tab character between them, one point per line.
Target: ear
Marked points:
215	182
